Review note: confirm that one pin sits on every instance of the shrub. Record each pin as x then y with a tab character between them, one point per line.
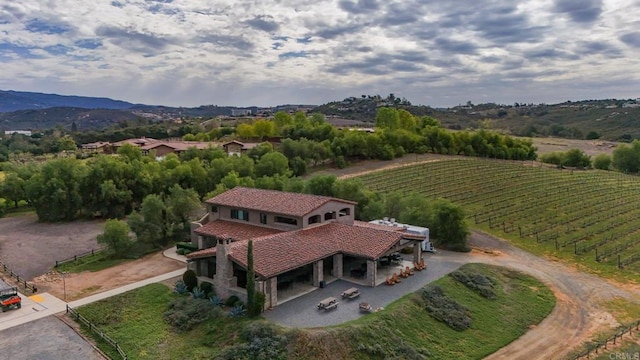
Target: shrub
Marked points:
232	301
479	283
185	313
260	299
208	289
444	309
180	287
260	341
190	279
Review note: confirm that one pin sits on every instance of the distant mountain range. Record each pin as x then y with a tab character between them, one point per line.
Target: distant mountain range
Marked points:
20	100
609	119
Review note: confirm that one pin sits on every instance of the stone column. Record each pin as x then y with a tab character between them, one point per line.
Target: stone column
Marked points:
337	266
372	272
224	269
318	272
417	252
271	298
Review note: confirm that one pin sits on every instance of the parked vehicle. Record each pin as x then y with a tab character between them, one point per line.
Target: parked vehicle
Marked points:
9	298
411	229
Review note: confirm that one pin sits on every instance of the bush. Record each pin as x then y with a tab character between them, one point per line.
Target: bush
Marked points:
232	301
260	341
444	309
208	289
185	313
237	310
479	283
190	279
186	246
216	301
260	298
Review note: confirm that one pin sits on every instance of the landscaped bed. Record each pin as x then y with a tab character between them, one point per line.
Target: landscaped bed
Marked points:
403	330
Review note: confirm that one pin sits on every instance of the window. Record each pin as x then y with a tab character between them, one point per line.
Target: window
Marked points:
240	214
263	218
286	220
214	208
314	219
344	212
329	216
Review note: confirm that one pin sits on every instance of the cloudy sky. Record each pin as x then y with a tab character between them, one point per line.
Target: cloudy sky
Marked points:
269	52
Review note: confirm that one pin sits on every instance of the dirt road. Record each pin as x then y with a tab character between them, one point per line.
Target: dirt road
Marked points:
579	313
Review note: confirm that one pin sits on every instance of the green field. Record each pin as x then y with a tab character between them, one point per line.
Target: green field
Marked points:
135	321
589	218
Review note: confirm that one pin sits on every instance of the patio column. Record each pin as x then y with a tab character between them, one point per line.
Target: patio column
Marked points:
372	272
337	266
271	292
417	252
318	272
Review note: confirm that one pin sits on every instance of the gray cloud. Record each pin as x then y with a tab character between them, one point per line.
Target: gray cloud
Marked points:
359	7
264	23
455	46
229	42
580	11
632	39
549	53
133	40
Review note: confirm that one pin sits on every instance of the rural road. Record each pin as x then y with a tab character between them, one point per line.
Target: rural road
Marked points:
578	314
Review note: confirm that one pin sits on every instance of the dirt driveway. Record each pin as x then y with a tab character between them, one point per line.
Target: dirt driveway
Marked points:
31	248
579	313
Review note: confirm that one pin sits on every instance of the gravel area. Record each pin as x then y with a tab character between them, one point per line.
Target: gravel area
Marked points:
48	338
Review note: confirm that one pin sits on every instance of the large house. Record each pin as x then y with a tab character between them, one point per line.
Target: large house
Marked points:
300	241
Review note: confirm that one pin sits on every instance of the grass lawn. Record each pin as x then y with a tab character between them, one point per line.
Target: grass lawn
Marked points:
402	330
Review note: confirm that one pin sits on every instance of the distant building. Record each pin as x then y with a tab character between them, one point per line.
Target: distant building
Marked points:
19	132
241	112
235	147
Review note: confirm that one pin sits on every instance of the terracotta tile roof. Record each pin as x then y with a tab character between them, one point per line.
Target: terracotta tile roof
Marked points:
202	253
276	254
180	145
279	202
236	230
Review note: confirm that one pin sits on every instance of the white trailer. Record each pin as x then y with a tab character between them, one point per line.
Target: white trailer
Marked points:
411	229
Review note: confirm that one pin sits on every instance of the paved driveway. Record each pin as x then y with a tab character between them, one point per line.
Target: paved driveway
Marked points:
302	311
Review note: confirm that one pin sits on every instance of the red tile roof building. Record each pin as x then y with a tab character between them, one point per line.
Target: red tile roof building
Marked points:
291	234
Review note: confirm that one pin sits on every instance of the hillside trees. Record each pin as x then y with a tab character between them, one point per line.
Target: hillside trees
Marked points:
572	158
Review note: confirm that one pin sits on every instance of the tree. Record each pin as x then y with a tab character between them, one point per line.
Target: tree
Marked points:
576	158
66	143
182	205
282	120
321	185
273	163
245	131
12	188
448	226
252	304
387	118
116	237
149	224
602	162
263	128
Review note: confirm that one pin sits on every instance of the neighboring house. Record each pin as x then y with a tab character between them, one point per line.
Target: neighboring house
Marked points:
298	239
162	148
235	147
241	112
99	146
158	147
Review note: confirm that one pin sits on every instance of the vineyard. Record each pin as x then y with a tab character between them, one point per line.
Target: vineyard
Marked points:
591	217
